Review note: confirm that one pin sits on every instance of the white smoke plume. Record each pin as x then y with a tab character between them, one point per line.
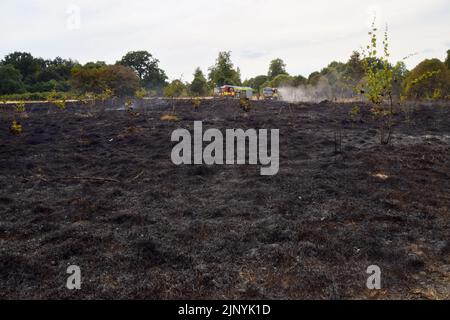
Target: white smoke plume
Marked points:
324	89
307	93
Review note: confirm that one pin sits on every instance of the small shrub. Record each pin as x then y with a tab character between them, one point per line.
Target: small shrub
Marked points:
355	113
105	95
56	100
437	94
196	103
16	127
20	107
245	104
141	94
129	105
175	89
377	87
51	96
61	104
129	108
87	97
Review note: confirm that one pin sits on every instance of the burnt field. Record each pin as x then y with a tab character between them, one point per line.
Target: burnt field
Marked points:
97	189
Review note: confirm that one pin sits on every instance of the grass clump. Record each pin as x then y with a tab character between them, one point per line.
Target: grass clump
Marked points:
16	127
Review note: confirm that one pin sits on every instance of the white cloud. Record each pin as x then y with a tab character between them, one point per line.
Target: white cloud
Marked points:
186	34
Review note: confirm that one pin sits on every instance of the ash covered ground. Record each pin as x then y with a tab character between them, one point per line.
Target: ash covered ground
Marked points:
96	188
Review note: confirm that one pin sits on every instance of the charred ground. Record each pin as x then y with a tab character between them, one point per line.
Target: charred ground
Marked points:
96	188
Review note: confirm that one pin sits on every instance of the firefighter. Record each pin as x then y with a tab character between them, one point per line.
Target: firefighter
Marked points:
275	94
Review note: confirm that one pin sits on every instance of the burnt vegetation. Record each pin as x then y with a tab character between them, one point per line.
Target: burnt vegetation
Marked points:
96	188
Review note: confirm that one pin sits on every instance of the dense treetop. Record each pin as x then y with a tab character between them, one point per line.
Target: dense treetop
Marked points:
21	73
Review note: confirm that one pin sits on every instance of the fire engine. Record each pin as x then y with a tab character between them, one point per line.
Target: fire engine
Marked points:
235	92
270	93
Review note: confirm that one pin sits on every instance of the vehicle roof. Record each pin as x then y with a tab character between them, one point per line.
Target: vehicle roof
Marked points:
236	87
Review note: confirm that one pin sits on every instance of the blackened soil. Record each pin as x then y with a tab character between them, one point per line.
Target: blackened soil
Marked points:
97	189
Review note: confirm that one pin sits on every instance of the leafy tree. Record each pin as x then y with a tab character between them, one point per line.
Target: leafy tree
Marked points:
379	80
277	67
429	79
378	71
354	68
299	81
400	72
39	75
88	78
122	80
61	67
175	89
25	63
282	80
314	77
53	75
223	71
341	78
10	80
199	86
94	65
334	66
332	72
256	82
146	67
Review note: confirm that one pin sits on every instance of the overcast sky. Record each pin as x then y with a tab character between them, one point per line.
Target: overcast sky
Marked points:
307	35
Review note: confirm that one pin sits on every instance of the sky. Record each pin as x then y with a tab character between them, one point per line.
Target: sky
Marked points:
183	35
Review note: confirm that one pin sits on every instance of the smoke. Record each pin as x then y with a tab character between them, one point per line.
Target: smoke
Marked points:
307	93
330	87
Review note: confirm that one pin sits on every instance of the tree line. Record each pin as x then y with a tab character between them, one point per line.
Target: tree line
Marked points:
430	79
21	73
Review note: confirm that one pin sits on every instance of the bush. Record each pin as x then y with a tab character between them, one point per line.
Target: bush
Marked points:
175	89
122	80
378	84
88	78
429	80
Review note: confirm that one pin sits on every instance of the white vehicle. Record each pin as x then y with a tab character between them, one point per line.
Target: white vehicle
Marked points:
270	93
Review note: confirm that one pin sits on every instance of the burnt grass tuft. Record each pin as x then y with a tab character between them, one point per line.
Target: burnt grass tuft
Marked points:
97	188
